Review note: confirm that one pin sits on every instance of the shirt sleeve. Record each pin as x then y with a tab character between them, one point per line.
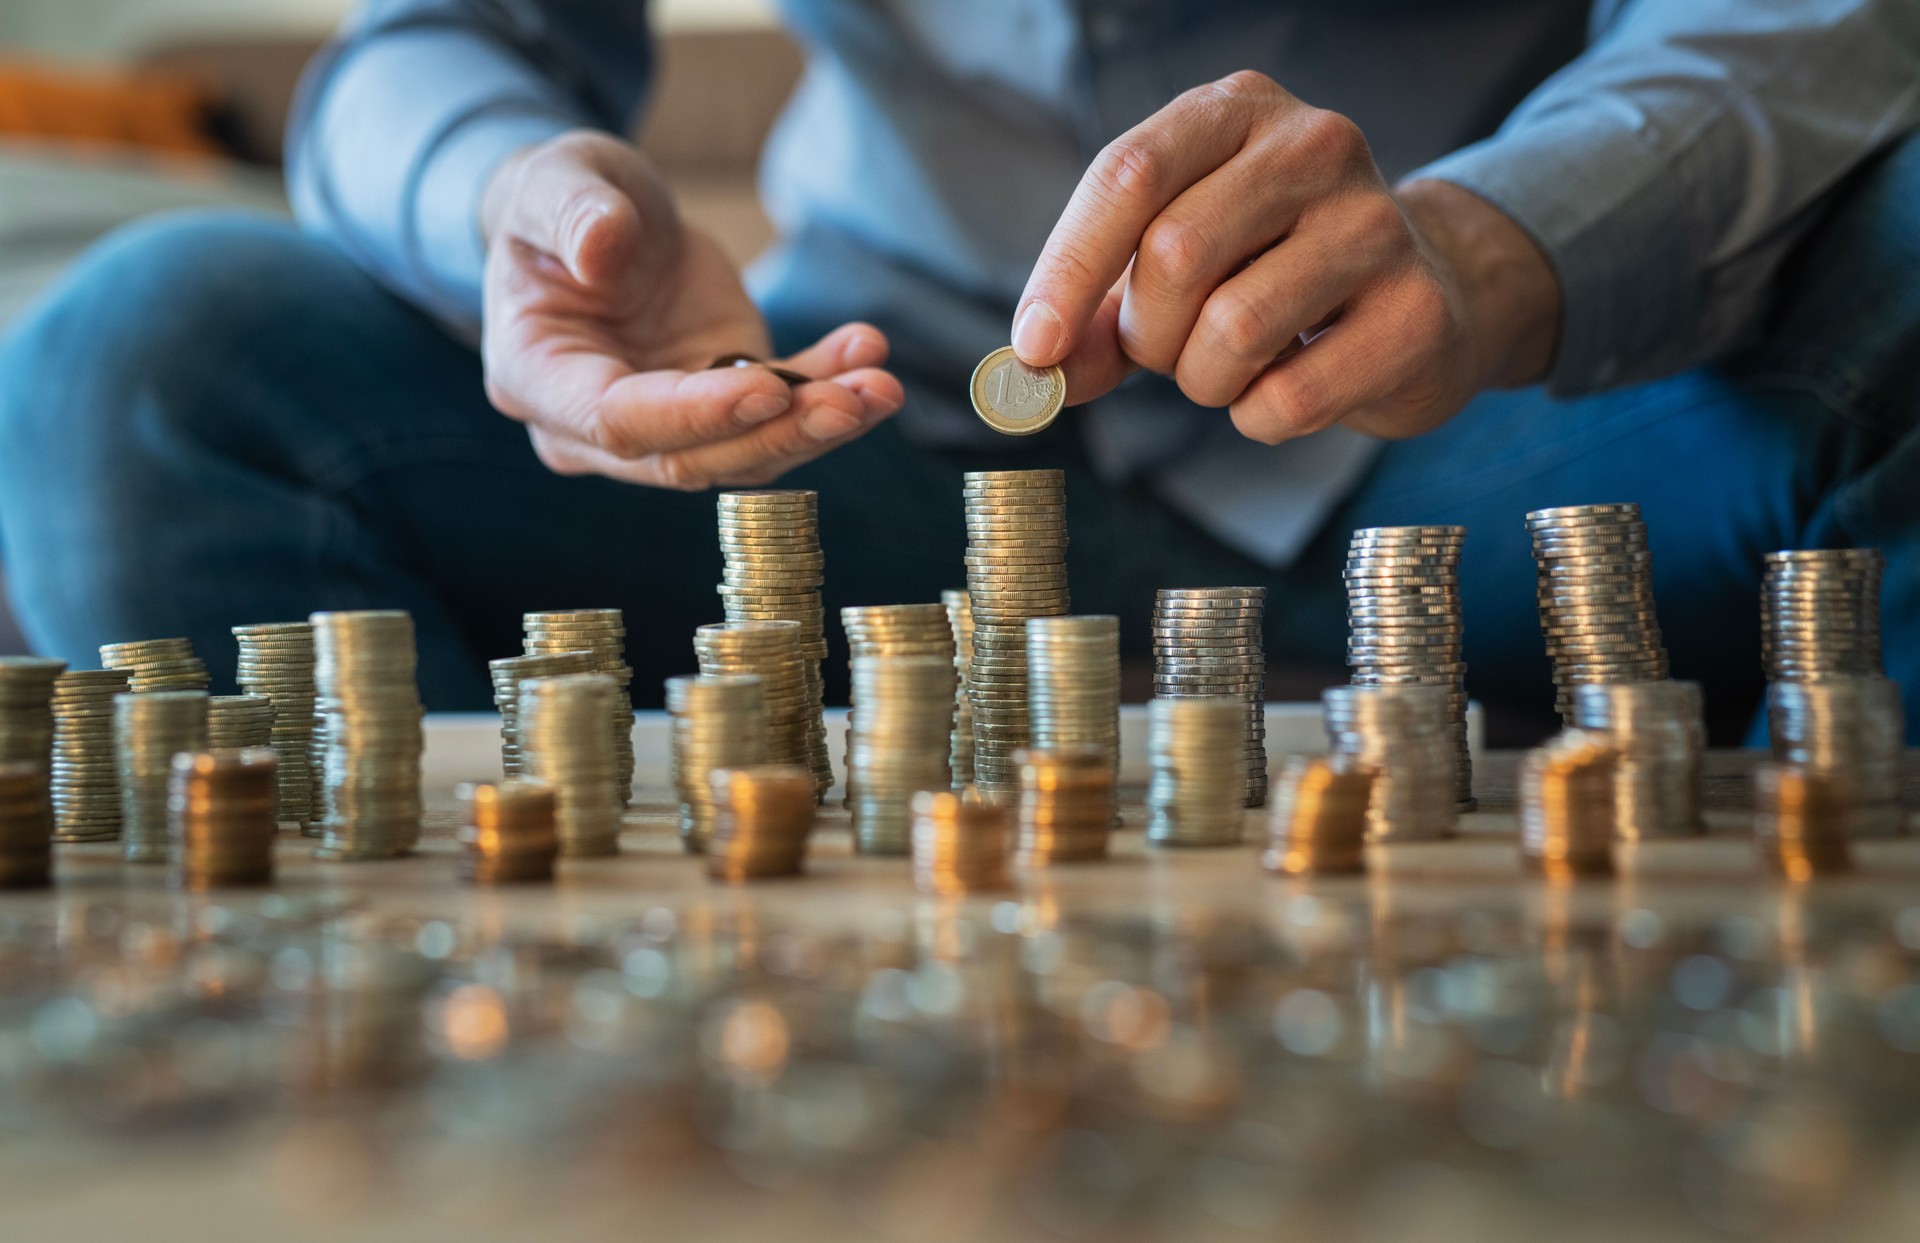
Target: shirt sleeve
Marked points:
404	117
1668	170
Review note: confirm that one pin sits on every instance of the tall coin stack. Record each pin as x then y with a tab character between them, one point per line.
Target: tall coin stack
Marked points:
149	730
1318	823
1802	820
86	770
774	570
603	634
1820	614
157	665
719	721
566	744
1403	737
26	826
1197	746
368	709
1016	570
1594	579
769	650
1066	805
1073	692
959	843
26	709
508	673
510	834
236	722
765	815
222	817
1403	622
902	738
893	630
276	660
1208	642
1566	806
960	619
1656	730
1852	728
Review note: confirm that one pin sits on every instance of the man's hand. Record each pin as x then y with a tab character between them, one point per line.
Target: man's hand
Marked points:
602	309
1246	245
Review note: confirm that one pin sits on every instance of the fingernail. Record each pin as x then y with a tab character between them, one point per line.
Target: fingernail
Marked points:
1036	334
756	408
827	423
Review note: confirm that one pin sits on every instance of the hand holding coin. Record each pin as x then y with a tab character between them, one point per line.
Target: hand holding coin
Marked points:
1011	397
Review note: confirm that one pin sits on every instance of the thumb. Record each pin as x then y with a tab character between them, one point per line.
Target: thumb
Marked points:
579	200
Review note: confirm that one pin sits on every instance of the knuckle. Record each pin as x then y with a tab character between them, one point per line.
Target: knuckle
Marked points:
555	456
1376	216
1284	407
1333	138
674	471
1177	249
1129	168
1239	325
1066	266
1247	84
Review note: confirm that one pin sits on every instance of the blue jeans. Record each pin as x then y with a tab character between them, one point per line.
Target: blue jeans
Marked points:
216	420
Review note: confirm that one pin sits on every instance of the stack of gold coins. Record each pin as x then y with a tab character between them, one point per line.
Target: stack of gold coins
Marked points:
1566	806
149	730
1403	622
719	721
86	771
510	834
368	709
1400	735
1207	643
1073	688
1016	570
1066	805
157	665
1197	747
1318	822
222	817
1595	588
602	632
1803	820
959	843
276	660
960	619
1656	732
1820	614
238	722
1853	727
770	650
508	673
902	738
26	826
563	733
774	570
26	709
893	630
764	815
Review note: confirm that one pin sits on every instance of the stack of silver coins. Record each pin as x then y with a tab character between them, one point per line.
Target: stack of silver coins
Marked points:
1848	727
1595	587
508	673
1566	806
1318	822
960	619
1208	642
959	843
276	660
1073	693
157	665
774	571
770	650
86	770
1403	737
1803	821
893	630
719	721
1657	731
763	820
26	826
1066	805
149	730
566	745
237	722
222	818
1820	614
603	634
367	707
902	739
1016	570
1198	786
1403	621
26	709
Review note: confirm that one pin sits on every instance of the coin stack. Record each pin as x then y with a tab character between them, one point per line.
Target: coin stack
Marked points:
1318	823
26	826
26	709
510	834
367	705
1016	570
769	650
1402	736
222	816
1073	690
959	843
157	665
893	630
719	721
508	673
1802	820
1656	732
602	632
1207	642
1066	805
1820	614
1595	587
1403	622
1197	746
1852	727
960	619
276	660
566	744
764	815
902	738
1566	806
774	569
86	772
149	730
237	722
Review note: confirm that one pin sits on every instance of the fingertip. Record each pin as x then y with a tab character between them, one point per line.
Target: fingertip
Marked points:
1039	336
603	238
862	345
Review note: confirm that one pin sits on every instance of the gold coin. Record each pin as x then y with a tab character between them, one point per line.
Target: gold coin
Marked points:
1015	399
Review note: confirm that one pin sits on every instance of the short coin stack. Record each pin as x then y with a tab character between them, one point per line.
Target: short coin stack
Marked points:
1820	614
508	673
1852	728
510	834
764	817
1066	805
26	709
86	771
566	744
902	738
960	619
1199	770
1595	589
1318	822
603	633
1656	730
222	819
719	721
774	571
26	826
157	664
276	660
770	651
893	630
1016	570
367	707
1402	736
149	730
1802	820
1208	642
959	843
1403	622
1566	806
1073	692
